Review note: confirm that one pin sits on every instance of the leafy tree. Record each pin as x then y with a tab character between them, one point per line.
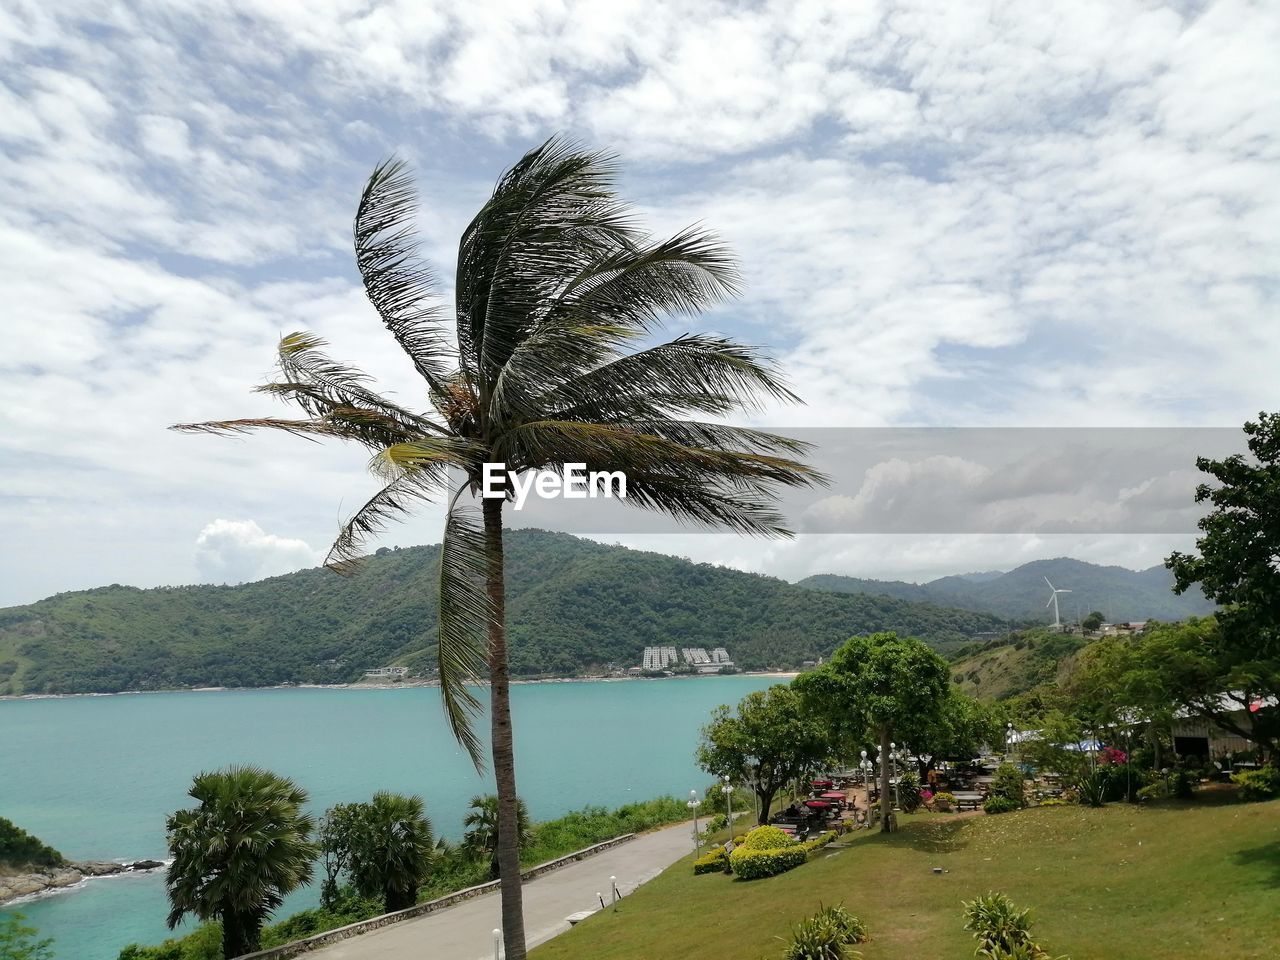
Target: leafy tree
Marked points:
1093	621
481	829
963	725
767	742
338	829
1239	560
391	849
239	852
554	285
1238	565
883	686
18	941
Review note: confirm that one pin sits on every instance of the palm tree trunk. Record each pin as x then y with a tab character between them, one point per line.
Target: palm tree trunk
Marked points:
886	797
504	765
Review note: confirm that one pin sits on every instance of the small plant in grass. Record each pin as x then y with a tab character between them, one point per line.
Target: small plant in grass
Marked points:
1091	789
909	792
826	936
944	802
1261	784
1007	783
997	804
1002	930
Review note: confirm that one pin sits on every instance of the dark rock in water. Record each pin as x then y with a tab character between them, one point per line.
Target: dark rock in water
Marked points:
146	864
99	868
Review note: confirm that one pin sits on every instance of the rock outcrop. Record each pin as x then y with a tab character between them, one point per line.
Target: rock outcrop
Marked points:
22	881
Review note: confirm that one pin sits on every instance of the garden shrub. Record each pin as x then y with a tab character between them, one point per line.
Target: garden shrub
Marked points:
998	804
1091	789
1261	784
826	936
716	824
753	864
1054	802
909	792
1003	932
820	841
1008	784
944	801
715	861
766	838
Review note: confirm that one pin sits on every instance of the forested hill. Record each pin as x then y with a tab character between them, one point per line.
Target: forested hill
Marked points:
572	605
1118	593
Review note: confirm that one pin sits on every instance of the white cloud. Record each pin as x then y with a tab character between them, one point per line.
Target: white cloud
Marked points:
233	551
1054	214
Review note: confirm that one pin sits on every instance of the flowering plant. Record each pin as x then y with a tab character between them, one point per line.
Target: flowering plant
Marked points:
1111	755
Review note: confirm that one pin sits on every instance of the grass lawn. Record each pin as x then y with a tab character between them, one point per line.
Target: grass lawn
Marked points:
1195	879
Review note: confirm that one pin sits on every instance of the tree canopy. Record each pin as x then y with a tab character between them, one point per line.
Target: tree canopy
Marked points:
768	740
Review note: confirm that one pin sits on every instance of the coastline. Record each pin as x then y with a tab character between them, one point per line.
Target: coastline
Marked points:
360	685
16	888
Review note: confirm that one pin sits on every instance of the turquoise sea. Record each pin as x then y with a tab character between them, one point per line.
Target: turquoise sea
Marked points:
96	776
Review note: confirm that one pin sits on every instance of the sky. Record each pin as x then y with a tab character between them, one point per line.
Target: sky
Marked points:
948	215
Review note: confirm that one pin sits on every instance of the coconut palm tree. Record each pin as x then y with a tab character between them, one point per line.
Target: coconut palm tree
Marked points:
239	853
555	292
481	829
392	849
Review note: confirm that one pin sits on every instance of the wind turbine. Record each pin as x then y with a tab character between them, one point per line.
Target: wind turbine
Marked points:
1053	602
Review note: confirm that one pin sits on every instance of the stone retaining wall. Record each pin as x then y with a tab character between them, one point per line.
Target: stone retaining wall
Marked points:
285	951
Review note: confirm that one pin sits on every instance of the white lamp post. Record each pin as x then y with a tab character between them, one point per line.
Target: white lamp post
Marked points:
693	804
727	790
1008	739
893	772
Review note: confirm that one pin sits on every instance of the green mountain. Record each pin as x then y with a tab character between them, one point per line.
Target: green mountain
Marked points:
573	605
1118	593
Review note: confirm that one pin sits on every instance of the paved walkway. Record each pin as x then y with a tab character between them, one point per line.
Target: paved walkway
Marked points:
465	931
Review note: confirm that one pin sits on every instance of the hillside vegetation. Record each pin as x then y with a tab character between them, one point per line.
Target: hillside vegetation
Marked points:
20	849
1118	593
1007	666
573	605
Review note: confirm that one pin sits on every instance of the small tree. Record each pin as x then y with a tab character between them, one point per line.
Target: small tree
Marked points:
883	686
391	849
481	829
769	741
239	853
338	828
1093	621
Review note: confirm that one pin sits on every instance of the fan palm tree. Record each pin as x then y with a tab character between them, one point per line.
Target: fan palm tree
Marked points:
392	851
556	289
481	829
239	853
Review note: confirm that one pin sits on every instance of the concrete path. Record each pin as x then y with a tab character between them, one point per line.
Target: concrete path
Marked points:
465	931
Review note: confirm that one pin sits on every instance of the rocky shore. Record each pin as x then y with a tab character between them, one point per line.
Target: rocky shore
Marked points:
24	882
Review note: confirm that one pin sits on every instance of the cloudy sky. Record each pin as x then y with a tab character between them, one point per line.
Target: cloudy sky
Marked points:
966	214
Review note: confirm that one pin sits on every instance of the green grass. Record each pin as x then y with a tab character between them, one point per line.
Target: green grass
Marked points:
1199	879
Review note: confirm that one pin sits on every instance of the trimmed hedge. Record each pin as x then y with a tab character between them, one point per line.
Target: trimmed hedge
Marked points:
1258	784
753	863
713	862
766	838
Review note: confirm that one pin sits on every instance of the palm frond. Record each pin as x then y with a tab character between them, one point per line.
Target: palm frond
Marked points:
307	429
463	620
318	384
694	372
394	500
553	214
550	444
398	284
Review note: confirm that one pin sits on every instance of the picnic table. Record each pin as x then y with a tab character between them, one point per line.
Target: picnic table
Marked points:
964	798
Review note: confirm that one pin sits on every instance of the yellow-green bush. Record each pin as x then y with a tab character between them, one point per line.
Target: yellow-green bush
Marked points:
713	861
766	838
749	864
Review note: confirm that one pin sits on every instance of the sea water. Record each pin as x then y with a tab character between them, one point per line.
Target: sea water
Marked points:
95	777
